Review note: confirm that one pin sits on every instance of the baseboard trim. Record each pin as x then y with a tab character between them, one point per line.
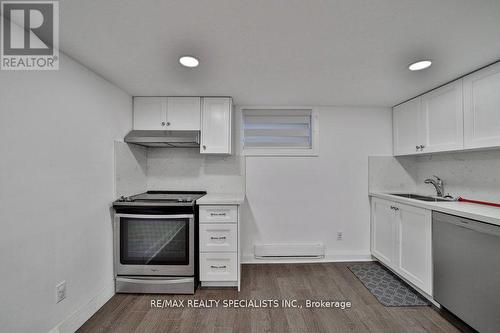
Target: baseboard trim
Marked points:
328	258
75	320
216	284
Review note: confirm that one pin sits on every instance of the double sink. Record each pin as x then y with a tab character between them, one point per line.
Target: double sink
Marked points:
422	197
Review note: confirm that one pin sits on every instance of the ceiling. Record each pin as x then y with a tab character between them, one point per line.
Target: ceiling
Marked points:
286	52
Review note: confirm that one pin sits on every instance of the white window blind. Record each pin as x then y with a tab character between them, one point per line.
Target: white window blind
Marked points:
277	128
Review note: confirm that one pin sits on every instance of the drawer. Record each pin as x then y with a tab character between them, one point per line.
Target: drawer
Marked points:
218	237
218	267
218	214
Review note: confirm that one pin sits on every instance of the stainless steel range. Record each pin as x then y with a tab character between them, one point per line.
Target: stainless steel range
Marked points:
155	242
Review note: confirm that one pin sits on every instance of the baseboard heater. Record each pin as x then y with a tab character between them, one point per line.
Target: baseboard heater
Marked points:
289	251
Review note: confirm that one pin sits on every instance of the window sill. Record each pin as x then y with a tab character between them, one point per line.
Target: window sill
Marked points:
281	152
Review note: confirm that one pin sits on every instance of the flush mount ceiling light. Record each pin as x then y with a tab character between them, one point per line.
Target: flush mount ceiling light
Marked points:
419	65
189	61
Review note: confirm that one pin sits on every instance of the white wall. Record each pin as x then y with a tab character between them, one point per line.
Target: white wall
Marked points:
309	199
56	186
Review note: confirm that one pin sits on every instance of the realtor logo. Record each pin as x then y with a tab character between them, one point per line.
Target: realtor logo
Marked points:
30	35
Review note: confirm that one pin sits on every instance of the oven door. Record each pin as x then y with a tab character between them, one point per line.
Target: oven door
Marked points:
157	245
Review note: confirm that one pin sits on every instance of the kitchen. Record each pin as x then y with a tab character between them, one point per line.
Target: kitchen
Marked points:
253	167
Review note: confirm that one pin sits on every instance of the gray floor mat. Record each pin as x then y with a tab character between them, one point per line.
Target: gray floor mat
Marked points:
385	286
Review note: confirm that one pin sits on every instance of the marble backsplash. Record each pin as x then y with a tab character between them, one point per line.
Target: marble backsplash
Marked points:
130	169
387	174
138	169
187	169
474	175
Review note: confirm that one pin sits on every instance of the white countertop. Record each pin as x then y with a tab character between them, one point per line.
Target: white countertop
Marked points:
482	213
221	199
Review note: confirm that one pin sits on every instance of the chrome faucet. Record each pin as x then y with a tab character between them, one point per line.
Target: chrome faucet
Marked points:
438	184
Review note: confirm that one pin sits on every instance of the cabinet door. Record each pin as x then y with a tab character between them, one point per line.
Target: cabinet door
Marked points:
442	116
216	121
383	231
406	127
482	108
183	113
150	113
414	243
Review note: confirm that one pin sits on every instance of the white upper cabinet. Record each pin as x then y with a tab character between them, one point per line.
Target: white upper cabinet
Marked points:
442	118
430	123
406	127
184	113
464	114
150	113
167	113
216	123
482	108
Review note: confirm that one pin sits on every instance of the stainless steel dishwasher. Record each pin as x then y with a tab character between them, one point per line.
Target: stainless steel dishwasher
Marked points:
466	256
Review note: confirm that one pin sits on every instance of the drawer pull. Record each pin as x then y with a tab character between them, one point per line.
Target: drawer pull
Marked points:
218	238
217	214
218	267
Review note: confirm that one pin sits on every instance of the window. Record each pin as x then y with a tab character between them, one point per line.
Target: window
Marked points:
280	132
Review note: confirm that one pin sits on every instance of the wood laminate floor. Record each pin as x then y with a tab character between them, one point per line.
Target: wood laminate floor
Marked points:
332	281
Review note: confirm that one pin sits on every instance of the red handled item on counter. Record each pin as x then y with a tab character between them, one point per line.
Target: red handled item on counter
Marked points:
479	202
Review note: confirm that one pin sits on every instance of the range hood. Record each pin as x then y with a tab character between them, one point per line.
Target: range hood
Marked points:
164	139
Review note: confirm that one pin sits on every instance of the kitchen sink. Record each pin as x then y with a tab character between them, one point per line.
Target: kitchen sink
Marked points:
421	197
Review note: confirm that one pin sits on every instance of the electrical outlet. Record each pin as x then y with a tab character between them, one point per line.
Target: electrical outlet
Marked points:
60	291
339	235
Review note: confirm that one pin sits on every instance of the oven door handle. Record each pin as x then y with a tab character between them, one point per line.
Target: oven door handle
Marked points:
144	216
155	281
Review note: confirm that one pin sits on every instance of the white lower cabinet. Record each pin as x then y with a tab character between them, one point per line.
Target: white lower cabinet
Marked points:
414	244
401	238
383	227
219	246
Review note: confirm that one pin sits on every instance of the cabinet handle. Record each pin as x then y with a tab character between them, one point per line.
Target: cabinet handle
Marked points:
422	147
218	238
217	214
162	123
218	267
417	147
168	123
204	147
